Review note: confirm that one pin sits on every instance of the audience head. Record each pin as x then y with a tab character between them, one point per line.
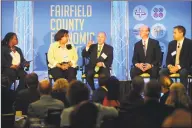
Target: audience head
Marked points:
179	32
45	87
10	39
62	36
180	118
84	115
138	84
60	85
144	31
102	80
178	96
101	38
152	90
77	92
113	86
165	83
32	80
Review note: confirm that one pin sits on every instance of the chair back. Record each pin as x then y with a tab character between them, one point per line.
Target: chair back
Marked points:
53	117
7	120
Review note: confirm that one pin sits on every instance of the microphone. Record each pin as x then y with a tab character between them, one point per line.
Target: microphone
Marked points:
59	46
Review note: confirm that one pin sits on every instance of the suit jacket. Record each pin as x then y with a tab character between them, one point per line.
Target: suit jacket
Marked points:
25	97
149	115
40	108
132	100
153	53
185	54
6	58
92	54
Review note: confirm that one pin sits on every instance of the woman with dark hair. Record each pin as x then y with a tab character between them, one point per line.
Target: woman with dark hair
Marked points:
62	57
12	60
112	98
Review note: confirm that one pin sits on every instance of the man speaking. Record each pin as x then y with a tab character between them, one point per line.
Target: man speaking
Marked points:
100	58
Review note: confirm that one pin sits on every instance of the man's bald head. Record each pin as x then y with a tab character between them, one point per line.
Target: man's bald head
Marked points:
144	31
45	87
101	38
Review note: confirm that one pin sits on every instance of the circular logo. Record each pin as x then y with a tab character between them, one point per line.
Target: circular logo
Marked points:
158	31
158	12
140	12
136	30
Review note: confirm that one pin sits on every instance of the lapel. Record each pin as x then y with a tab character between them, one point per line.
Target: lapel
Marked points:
148	48
183	47
142	50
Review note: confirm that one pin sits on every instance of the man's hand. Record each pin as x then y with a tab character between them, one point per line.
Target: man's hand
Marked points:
70	64
140	66
173	69
14	66
99	64
146	67
89	44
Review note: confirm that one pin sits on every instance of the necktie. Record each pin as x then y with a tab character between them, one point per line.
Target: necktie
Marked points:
98	54
178	54
99	51
144	47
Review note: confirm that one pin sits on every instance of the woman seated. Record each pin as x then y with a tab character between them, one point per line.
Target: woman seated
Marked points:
59	90
12	60
112	98
62	57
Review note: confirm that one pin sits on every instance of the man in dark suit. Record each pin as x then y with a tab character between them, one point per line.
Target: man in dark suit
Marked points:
101	58
29	95
40	107
178	55
147	55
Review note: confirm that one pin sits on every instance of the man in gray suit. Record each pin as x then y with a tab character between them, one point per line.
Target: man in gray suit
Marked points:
39	108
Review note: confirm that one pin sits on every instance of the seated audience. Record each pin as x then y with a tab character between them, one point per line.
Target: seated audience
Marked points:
101	92
112	98
84	115
29	95
134	98
39	108
179	119
7	96
178	97
59	90
77	93
152	113
165	84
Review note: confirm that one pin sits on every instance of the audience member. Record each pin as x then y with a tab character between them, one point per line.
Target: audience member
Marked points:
84	115
165	84
39	108
101	92
77	93
59	90
29	95
178	97
112	98
179	119
134	98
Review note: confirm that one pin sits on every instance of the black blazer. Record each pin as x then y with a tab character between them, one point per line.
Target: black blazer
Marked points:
92	54
185	55
6	58
153	54
25	97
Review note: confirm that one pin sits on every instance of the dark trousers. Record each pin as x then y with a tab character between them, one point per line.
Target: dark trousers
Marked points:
153	72
13	74
91	72
69	74
182	72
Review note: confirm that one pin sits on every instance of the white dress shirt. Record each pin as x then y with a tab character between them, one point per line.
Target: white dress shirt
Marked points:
16	58
57	54
179	47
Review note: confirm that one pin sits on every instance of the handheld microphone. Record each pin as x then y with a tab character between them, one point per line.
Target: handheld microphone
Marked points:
59	46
